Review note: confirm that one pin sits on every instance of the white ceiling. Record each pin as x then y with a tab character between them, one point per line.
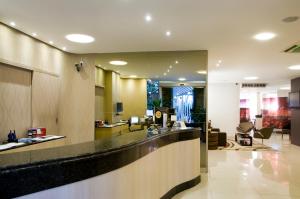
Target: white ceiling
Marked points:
224	28
184	64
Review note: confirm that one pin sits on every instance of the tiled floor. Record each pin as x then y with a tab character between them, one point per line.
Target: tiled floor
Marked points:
253	175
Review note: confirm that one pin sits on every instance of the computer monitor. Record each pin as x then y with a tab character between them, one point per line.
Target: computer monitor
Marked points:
134	120
149	112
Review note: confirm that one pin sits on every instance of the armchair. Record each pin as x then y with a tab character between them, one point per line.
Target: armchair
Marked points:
245	127
264	133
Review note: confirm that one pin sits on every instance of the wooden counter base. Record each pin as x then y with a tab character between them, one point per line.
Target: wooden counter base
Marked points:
160	174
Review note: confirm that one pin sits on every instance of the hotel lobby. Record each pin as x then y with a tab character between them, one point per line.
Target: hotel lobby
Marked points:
149	99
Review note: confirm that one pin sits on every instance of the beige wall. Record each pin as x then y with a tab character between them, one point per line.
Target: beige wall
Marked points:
99	103
15	100
76	89
112	96
134	97
45	100
77	100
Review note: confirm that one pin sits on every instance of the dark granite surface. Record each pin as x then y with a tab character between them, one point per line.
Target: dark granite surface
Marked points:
31	171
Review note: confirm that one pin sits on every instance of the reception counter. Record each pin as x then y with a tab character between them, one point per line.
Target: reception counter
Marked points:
133	165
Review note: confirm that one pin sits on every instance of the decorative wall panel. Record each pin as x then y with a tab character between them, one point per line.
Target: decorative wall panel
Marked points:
15	101
45	96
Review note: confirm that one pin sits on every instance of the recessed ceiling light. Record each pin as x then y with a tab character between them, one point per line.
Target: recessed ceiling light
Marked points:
80	38
34	34
51	42
290	19
168	70
285	88
165	74
12	24
168	33
176	62
118	63
201	72
132	76
170	66
294	67
218	65
181	79
64	48
251	78
220	61
148	18
264	36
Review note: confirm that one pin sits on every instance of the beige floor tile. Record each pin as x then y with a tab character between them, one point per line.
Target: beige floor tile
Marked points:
251	174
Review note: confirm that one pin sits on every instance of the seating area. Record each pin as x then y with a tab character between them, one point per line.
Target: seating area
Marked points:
264	133
216	138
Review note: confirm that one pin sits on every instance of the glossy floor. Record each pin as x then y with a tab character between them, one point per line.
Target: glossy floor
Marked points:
253	175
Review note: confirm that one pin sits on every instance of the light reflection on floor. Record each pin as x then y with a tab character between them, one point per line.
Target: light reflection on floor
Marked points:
251	174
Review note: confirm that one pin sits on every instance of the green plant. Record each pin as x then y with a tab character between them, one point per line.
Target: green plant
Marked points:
156	102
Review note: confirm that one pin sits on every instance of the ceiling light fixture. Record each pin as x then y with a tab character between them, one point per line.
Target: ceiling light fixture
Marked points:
285	88
34	34
201	72
181	79
165	74
148	18
251	78
133	76
264	36
220	61
80	38
168	33
64	48
170	66
168	70
118	63
176	62
51	42
294	67
13	24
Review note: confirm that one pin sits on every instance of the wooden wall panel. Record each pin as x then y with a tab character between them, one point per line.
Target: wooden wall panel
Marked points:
45	100
15	100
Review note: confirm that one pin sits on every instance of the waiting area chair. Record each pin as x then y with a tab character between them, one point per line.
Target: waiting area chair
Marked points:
245	127
264	133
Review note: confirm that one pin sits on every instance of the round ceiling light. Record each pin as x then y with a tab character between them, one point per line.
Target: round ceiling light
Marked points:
181	79
148	18
264	36
80	38
285	88
118	63
168	33
201	72
133	76
251	78
294	67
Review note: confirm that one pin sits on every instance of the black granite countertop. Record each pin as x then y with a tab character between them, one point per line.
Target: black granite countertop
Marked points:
67	164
